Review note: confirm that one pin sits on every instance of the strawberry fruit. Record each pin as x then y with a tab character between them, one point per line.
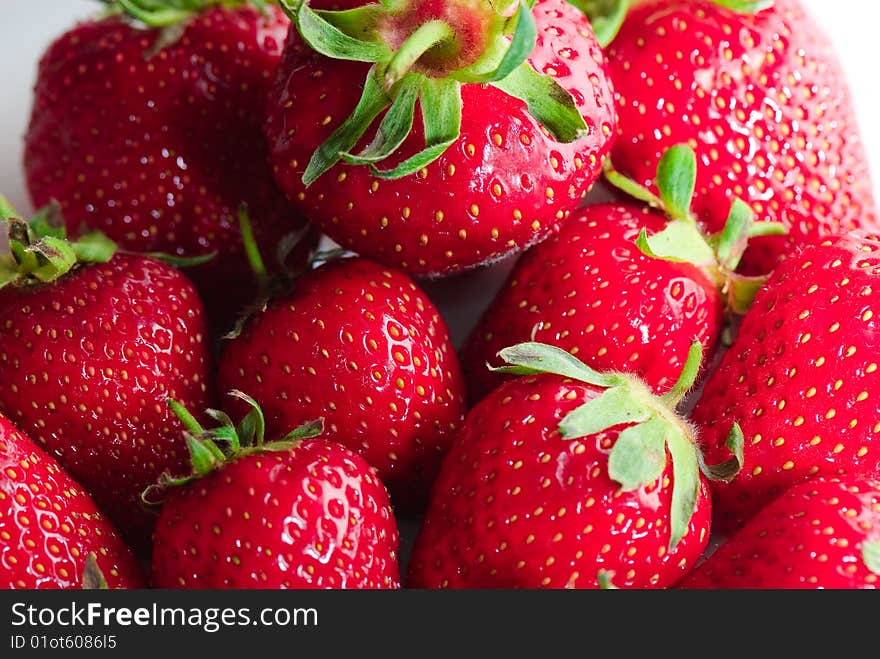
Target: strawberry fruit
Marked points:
295	513
148	126
49	527
824	533
624	287
362	347
801	379
517	115
761	97
92	342
562	475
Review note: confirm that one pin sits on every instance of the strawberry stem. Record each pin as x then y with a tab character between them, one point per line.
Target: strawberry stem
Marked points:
359	35
252	250
427	36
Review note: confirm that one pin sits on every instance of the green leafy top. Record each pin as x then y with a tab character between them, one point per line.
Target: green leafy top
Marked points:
399	78
211	448
652	427
169	13
683	241
607	16
39	251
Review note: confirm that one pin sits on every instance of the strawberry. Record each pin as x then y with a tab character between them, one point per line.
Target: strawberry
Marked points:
151	131
563	475
517	115
49	527
361	346
294	513
92	342
824	533
801	379
623	287
761	97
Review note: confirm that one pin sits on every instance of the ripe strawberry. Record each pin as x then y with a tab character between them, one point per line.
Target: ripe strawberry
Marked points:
49	527
91	345
493	169
824	533
622	287
801	378
361	346
154	136
557	478
296	513
762	98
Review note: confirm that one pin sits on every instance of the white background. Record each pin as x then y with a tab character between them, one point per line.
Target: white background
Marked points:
27	26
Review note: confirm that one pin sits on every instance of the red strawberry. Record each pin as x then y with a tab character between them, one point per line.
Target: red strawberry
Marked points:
49	527
802	378
590	291
493	169
159	146
557	478
361	346
296	513
622	287
91	345
824	533
762	98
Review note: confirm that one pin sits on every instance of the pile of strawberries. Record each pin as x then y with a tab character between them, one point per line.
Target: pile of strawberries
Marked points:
193	396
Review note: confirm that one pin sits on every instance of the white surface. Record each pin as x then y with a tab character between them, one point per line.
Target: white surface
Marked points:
27	27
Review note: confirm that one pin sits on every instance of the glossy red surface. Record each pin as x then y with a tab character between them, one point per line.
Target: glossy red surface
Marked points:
160	152
501	187
49	526
590	291
516	506
802	378
86	366
315	517
810	537
763	101
361	346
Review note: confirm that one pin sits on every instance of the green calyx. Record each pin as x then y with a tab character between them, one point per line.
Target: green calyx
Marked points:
605	579
169	13
607	16
210	449
268	284
92	577
683	241
426	65
871	555
649	425
39	250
